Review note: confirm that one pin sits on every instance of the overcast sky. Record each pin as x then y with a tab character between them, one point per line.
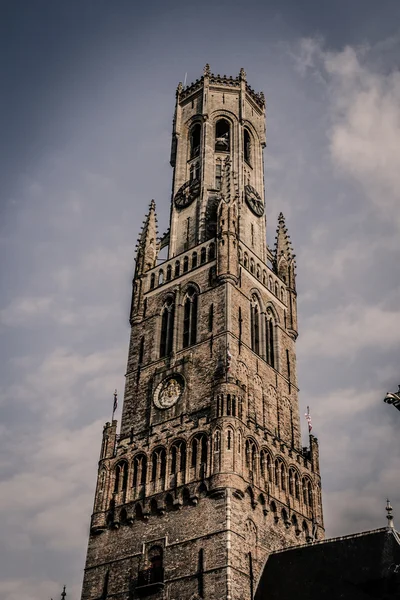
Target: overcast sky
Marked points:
86	106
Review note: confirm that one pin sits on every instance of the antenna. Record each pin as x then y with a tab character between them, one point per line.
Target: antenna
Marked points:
184	81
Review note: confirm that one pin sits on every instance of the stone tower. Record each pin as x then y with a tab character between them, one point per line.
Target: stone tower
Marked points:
207	475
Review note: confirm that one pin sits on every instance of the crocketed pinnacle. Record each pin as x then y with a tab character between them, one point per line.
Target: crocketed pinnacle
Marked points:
283	246
147	243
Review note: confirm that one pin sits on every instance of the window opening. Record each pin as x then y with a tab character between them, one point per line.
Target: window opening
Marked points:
195	134
222	136
190	318
167	328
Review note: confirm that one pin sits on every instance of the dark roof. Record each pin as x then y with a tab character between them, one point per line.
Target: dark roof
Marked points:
356	567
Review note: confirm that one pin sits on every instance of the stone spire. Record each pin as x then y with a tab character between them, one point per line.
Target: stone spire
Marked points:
147	243
389	515
285	262
283	246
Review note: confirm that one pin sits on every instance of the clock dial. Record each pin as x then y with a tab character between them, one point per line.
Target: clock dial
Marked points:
168	392
254	201
187	193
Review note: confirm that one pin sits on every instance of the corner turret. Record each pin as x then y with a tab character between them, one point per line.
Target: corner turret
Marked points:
146	258
285	268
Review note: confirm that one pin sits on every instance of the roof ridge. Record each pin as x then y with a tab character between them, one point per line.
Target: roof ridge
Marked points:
340	537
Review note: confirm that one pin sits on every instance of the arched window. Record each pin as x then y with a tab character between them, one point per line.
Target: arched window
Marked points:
211	251
222	136
217	441
158	464
229	439
177	268
251	457
139	470
152	281
269	339
265	464
203	255
186	264
169	273
247	146
199	450
255	325
280	474
167	327
194	260
252	266
195	134
121	476
190	318
246	260
160	277
178	457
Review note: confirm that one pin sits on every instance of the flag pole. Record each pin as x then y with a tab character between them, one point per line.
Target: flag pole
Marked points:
115	404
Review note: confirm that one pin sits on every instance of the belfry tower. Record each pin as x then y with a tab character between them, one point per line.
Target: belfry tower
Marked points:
207	475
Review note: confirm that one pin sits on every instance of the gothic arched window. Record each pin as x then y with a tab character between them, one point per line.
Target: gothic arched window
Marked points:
178	457
139	470
194	260
222	136
158	464
255	325
190	318
199	451
169	273
251	457
185	264
177	268
195	134
247	146
167	327
269	339
121	476
211	251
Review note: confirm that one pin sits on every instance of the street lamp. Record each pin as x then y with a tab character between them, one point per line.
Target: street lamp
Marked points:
393	399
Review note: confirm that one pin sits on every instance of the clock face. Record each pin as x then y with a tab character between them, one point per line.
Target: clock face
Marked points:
187	193
254	201
168	392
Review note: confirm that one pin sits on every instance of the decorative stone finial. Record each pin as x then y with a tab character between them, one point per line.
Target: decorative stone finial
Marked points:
179	89
63	594
242	74
206	70
389	515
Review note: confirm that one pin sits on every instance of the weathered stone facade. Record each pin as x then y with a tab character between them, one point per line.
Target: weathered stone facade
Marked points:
207	475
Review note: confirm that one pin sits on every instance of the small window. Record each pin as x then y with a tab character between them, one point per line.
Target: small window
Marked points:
211	318
152	281
194	260
169	273
222	136
211	251
247	146
185	264
190	318
177	268
203	255
195	135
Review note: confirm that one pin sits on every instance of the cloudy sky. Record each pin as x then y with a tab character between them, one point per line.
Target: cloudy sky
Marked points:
86	107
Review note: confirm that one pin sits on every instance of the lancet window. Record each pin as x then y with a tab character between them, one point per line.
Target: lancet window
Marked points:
255	324
178	457
139	470
222	136
121	477
251	457
195	136
167	327
158	464
247	146
190	318
270	339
